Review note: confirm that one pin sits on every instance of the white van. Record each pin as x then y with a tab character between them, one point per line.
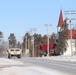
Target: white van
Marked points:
14	52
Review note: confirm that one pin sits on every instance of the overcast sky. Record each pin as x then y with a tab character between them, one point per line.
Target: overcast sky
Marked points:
18	16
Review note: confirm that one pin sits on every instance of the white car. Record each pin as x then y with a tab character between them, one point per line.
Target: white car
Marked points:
14	52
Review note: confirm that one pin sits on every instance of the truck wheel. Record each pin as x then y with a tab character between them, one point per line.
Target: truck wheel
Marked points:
9	56
19	56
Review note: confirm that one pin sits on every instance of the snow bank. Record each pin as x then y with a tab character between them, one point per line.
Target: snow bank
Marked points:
28	71
4	61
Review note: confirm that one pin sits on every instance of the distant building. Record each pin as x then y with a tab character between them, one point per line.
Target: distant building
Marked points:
68	51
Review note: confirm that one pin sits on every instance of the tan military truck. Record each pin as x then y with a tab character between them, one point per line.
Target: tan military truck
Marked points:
14	52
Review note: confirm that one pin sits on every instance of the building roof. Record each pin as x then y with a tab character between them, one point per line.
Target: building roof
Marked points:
73	34
44	47
60	22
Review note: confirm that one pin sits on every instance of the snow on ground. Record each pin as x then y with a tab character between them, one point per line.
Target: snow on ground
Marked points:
4	61
28	71
23	70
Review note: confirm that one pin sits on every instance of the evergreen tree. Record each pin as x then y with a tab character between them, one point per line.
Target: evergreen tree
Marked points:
63	37
52	39
12	40
3	45
37	40
26	41
44	40
1	39
1	34
18	44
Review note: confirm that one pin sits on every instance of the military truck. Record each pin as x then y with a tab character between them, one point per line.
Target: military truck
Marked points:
14	52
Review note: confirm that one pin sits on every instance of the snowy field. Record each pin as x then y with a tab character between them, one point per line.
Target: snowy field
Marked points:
12	67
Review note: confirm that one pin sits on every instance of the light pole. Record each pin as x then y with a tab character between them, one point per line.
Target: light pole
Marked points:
70	12
47	27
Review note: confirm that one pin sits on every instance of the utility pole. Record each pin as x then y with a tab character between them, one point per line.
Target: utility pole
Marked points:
25	37
32	30
47	27
26	42
70	13
75	44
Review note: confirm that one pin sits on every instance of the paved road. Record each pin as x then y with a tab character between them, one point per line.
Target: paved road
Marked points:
63	66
